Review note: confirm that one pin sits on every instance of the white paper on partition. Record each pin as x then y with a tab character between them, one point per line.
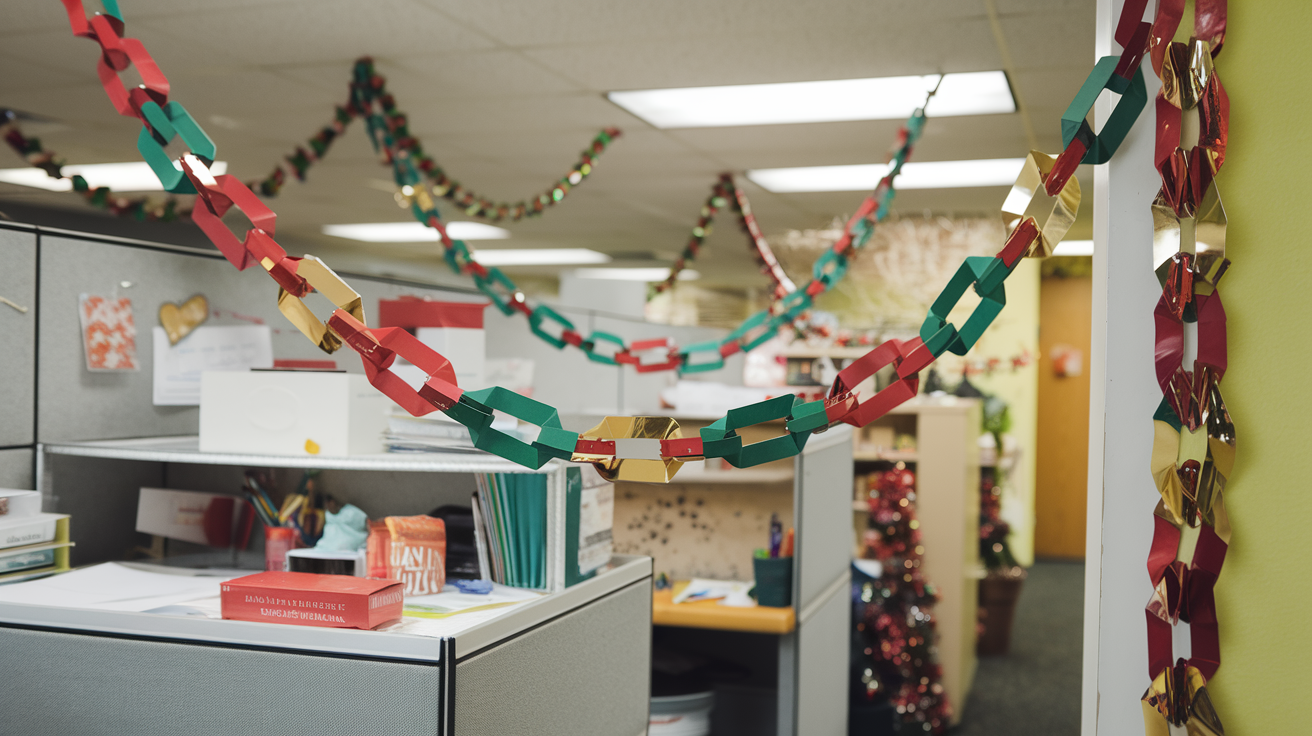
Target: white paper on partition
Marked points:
112	587
178	367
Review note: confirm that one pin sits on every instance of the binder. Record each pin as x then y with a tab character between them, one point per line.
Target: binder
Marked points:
511	527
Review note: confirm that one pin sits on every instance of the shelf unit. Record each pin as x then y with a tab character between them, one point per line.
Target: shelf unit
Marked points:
806	645
947	462
499	676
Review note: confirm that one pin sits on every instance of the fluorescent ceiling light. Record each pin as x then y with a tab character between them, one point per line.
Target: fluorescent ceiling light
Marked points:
539	257
917	175
882	98
135	176
414	232
1074	248
635	274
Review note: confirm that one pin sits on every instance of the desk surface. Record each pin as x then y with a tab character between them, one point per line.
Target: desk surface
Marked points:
712	615
625	571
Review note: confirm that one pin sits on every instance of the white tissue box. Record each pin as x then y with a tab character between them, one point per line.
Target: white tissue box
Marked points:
291	413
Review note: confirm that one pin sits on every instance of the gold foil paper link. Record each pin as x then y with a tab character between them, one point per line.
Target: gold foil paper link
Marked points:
643	470
1054	215
317	274
1205	239
1177	704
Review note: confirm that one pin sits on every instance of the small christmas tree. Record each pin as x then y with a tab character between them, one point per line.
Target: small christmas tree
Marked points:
897	622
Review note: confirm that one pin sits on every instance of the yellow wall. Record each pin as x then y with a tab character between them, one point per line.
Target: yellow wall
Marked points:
1016	329
1263	596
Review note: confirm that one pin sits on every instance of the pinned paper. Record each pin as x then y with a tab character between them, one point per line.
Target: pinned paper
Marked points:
230	348
109	333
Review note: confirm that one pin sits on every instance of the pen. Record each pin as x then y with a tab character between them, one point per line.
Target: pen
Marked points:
787	549
776	535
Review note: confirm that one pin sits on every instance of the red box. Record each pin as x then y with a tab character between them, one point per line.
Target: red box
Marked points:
306	599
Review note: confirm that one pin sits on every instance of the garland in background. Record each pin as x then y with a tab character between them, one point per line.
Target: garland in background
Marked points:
374	86
659	354
368	88
137	208
726	191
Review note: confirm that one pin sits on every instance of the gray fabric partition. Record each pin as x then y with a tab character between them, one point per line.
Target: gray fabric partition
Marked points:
75	404
16	468
586	674
144	688
18	332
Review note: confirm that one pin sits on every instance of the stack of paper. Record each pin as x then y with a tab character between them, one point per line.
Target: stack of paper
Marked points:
31	543
510	521
114	587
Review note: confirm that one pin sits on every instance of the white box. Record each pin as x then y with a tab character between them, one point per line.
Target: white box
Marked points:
15	503
291	413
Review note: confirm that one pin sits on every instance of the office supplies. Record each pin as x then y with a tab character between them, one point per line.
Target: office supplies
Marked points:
326	562
25	530
776	535
774	581
700	589
312	600
787	549
473	587
278	541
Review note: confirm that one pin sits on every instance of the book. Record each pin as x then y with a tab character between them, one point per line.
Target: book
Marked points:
510	517
307	599
26	530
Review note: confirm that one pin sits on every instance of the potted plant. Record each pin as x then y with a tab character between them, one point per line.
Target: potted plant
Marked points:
1000	589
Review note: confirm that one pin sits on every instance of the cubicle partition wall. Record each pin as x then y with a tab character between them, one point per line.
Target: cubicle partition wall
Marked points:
574	661
48	395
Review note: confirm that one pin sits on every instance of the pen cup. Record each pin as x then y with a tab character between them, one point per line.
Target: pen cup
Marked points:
774	581
277	541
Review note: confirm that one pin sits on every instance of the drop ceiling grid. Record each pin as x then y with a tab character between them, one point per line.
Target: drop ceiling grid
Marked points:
505	94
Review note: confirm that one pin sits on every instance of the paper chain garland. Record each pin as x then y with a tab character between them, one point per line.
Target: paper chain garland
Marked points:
138	208
1194	437
367	89
726	191
659	354
373	87
1190	465
379	348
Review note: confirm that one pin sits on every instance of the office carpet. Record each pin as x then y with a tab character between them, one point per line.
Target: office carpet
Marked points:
1036	688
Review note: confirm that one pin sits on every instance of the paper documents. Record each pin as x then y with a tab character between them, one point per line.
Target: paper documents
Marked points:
112	587
178	367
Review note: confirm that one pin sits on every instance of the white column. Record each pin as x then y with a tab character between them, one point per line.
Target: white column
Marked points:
1123	396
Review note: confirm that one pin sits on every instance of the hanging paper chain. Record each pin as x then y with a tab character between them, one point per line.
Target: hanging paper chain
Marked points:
138	208
659	354
727	191
368	88
1041	206
373	86
1194	438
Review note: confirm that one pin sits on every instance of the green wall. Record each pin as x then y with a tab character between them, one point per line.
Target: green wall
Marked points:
1264	596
